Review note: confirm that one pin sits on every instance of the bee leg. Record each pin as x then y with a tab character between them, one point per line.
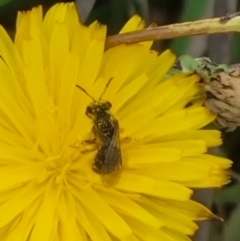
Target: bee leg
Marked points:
91	141
91	145
85	146
86	150
126	139
77	147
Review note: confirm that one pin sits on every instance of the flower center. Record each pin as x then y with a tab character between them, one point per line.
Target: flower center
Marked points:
54	167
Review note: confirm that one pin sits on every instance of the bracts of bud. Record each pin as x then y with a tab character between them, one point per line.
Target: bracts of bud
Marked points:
221	88
223	96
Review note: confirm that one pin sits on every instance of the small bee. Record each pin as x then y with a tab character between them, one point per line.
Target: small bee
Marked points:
108	161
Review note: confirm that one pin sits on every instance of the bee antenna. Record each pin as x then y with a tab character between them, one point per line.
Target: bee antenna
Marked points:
78	86
108	83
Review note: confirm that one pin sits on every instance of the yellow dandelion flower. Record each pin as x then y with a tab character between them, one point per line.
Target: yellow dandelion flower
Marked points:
48	189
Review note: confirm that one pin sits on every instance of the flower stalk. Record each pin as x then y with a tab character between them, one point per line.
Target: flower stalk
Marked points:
225	24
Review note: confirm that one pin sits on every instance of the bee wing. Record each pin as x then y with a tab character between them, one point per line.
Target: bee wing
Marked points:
110	179
115	142
114	158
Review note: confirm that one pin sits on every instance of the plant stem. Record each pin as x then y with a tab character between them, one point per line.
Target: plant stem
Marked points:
226	24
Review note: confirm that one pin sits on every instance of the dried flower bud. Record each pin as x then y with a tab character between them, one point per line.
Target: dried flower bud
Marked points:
222	88
223	97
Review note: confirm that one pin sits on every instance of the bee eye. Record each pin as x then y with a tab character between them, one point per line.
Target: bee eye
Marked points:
108	105
89	110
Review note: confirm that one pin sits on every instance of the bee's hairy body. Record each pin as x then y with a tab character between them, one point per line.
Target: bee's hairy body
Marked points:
106	130
104	125
108	161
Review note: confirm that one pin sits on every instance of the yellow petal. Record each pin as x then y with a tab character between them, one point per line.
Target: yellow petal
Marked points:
176	235
45	220
67	211
167	124
22	198
130	208
17	174
24	227
189	208
169	218
146	232
212	137
151	155
135	23
113	222
92	224
145	185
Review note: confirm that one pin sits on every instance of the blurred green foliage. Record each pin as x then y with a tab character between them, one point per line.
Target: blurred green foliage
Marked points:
236	45
3	2
192	11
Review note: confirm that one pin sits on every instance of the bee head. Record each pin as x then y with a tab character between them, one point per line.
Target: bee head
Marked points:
98	107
